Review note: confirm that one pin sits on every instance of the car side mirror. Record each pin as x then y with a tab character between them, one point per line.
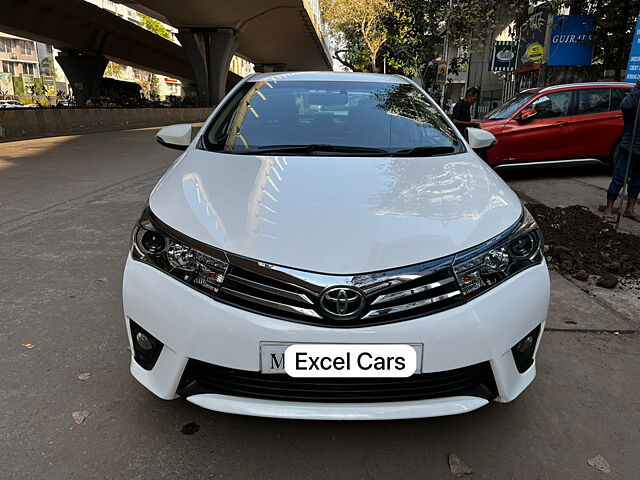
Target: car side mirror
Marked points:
526	115
175	136
480	140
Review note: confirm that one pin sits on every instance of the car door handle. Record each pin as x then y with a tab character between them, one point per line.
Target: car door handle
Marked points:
619	115
560	124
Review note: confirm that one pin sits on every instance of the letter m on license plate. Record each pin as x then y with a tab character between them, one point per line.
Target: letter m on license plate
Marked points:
272	357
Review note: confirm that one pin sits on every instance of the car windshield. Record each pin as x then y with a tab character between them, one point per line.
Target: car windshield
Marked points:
509	107
330	117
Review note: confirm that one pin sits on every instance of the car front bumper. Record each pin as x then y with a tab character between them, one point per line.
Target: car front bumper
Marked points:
194	326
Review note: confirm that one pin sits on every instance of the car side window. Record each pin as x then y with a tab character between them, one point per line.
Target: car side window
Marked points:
617	94
552	105
594	100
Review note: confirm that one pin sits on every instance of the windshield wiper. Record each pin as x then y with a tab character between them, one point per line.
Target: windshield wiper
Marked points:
424	151
313	148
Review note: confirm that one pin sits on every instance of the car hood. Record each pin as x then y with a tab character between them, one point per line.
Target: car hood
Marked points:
335	215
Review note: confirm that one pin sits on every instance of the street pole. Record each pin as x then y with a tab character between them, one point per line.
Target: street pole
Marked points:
445	57
629	159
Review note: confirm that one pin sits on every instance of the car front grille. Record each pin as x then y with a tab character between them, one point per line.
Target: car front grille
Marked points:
389	296
200	377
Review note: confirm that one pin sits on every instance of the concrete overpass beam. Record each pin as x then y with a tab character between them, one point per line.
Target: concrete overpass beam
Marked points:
209	51
84	71
270	67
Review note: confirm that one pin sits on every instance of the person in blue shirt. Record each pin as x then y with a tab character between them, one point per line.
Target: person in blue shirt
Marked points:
626	153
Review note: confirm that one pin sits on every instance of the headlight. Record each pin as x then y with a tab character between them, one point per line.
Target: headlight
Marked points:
483	267
189	265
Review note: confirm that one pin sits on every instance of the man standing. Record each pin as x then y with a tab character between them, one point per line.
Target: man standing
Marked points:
629	107
462	110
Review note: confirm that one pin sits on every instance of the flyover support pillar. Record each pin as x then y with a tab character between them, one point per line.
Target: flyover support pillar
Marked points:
84	71
209	51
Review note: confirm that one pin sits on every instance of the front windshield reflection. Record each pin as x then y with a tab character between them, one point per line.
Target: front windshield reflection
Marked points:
385	116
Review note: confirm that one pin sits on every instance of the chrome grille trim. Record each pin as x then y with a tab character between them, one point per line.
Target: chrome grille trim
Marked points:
410	306
412	291
271	304
294	295
369	283
275	291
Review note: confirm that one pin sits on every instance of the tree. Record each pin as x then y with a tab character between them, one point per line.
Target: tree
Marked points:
154	26
350	19
615	24
112	70
415	38
410	33
150	85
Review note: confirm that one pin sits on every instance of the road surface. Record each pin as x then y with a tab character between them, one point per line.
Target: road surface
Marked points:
67	206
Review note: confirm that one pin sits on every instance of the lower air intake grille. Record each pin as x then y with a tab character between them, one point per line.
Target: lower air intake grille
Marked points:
199	377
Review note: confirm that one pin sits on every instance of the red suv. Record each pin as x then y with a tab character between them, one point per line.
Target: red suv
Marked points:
574	123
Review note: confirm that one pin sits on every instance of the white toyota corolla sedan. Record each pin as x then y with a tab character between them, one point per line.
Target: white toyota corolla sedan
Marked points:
329	246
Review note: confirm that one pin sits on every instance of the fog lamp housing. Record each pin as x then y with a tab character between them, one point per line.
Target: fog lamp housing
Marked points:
146	347
523	350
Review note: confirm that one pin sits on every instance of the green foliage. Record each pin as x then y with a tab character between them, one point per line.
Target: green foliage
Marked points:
354	53
112	70
360	21
414	37
18	86
150	85
615	25
38	86
154	26
415	31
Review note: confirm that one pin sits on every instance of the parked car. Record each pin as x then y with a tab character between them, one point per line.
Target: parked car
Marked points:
334	226
578	123
11	104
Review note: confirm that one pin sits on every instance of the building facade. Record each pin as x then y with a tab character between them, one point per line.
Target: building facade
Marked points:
18	55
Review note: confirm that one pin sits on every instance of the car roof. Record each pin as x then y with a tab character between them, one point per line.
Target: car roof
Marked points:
586	85
327	77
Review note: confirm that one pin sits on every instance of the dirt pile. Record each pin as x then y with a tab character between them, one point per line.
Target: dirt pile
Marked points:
582	244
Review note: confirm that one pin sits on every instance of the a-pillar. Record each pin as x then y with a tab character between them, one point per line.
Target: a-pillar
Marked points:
210	52
84	71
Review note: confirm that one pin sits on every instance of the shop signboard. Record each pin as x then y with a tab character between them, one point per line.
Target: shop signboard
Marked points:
533	33
633	66
49	83
504	54
441	72
572	38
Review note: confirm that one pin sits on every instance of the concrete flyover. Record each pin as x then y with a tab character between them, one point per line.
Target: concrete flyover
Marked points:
272	34
89	36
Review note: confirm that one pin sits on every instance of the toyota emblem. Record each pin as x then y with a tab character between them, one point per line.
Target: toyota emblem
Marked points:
342	303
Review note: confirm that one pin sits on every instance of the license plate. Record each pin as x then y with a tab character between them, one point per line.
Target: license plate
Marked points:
272	355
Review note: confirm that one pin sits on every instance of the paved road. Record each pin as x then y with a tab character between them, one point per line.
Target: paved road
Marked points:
66	209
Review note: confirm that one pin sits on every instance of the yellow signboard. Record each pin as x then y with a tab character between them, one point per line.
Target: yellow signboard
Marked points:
49	83
535	52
